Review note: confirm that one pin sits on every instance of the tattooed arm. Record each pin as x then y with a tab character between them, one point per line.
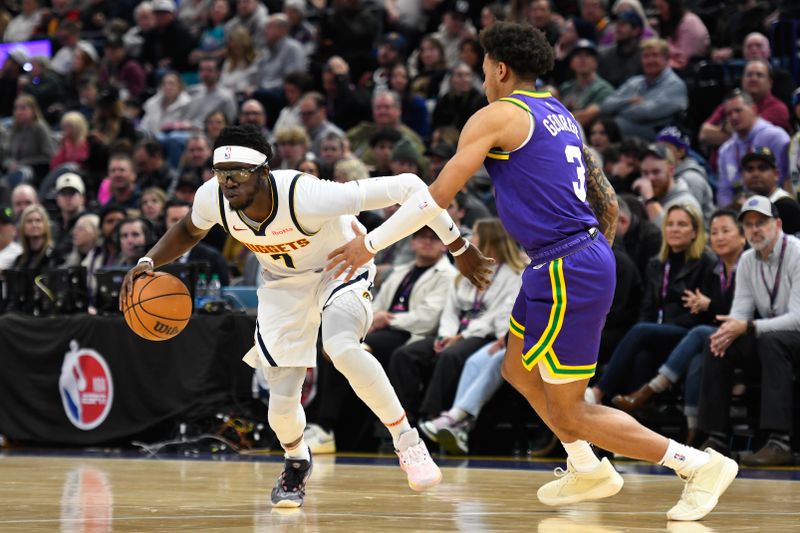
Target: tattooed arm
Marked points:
601	196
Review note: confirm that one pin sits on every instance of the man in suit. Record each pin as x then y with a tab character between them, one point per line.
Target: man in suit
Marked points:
175	211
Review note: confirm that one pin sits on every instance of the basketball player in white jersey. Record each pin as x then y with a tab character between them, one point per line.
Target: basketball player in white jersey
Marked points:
291	221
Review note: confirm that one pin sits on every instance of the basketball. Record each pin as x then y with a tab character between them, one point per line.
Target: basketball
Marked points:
160	307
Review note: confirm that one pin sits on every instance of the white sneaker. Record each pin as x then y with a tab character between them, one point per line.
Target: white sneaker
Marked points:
319	441
573	486
703	487
416	462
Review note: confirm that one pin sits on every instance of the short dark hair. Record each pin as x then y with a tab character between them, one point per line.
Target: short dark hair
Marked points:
176	202
520	46
246	135
725	212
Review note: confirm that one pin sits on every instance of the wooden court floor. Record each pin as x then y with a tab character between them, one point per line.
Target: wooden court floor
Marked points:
84	494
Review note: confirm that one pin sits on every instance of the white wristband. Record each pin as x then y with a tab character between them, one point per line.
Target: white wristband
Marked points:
461	250
146	259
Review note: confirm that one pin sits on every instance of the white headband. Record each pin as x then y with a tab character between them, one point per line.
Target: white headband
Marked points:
238	154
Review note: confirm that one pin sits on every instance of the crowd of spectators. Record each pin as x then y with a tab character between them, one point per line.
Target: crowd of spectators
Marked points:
691	106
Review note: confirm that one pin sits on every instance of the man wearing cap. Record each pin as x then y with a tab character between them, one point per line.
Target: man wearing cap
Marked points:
291	221
687	168
760	176
657	186
762	332
169	44
620	61
584	94
645	104
9	247
71	201
749	130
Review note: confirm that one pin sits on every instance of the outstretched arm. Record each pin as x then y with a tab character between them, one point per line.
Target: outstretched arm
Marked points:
601	196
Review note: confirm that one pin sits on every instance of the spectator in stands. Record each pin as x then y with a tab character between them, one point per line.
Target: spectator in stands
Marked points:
620	7
682	265
602	131
135	236
793	152
658	187
470	319
85	235
620	61
252	112
69	33
595	12
540	14
460	102
73	146
105	253
283	54
10	76
211	43
31	142
584	95
749	130
312	115
109	129
175	211
756	46
44	85
71	202
23	26
349	30
415	110
196	160
644	104
406	158
9	247
428	68
152	169
295	84
332	150
685	33
215	122
208	96
22	196
640	238
770	342
310	166
84	67
757	82
95	15
760	177
122	188
168	45
293	144
386	113
727	242
350	169
250	15
166	110
346	104
300	29
688	169
193	13
152	208
145	21
38	250
240	64
455	27
492	13
471	53
186	187
382	144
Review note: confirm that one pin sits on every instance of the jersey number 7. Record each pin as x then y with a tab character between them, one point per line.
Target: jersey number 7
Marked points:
286	259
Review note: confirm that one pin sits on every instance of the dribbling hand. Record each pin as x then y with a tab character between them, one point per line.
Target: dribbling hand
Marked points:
350	256
474	266
126	290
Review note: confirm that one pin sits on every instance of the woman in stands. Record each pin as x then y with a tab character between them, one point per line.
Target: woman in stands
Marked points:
682	265
38	249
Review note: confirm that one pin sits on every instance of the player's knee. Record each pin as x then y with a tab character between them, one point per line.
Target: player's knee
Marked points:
282	406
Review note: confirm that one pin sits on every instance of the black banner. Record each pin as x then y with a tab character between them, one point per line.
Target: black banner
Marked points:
84	379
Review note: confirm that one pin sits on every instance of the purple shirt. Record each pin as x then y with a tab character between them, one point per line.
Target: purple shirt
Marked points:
730	156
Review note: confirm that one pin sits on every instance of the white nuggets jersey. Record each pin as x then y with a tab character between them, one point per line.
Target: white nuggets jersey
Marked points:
309	218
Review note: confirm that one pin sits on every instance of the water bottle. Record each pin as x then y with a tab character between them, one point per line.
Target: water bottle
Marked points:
215	289
200	292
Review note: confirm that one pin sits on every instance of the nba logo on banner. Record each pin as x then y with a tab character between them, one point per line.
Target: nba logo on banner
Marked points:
86	387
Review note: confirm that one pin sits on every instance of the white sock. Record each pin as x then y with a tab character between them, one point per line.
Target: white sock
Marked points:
683	459
298	452
691	422
457	414
581	455
660	383
397	428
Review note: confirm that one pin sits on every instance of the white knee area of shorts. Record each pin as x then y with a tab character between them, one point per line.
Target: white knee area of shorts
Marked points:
346	313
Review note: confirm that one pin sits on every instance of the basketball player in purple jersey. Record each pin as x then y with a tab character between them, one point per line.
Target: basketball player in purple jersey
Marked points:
555	201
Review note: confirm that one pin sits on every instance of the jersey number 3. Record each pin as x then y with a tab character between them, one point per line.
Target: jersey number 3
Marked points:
573	154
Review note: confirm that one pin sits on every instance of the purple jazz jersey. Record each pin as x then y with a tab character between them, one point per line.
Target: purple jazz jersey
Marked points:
561	308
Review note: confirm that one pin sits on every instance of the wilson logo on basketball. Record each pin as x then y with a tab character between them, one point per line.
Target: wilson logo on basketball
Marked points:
160	327
86	387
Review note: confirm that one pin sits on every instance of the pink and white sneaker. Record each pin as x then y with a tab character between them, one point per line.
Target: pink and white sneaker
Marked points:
416	462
